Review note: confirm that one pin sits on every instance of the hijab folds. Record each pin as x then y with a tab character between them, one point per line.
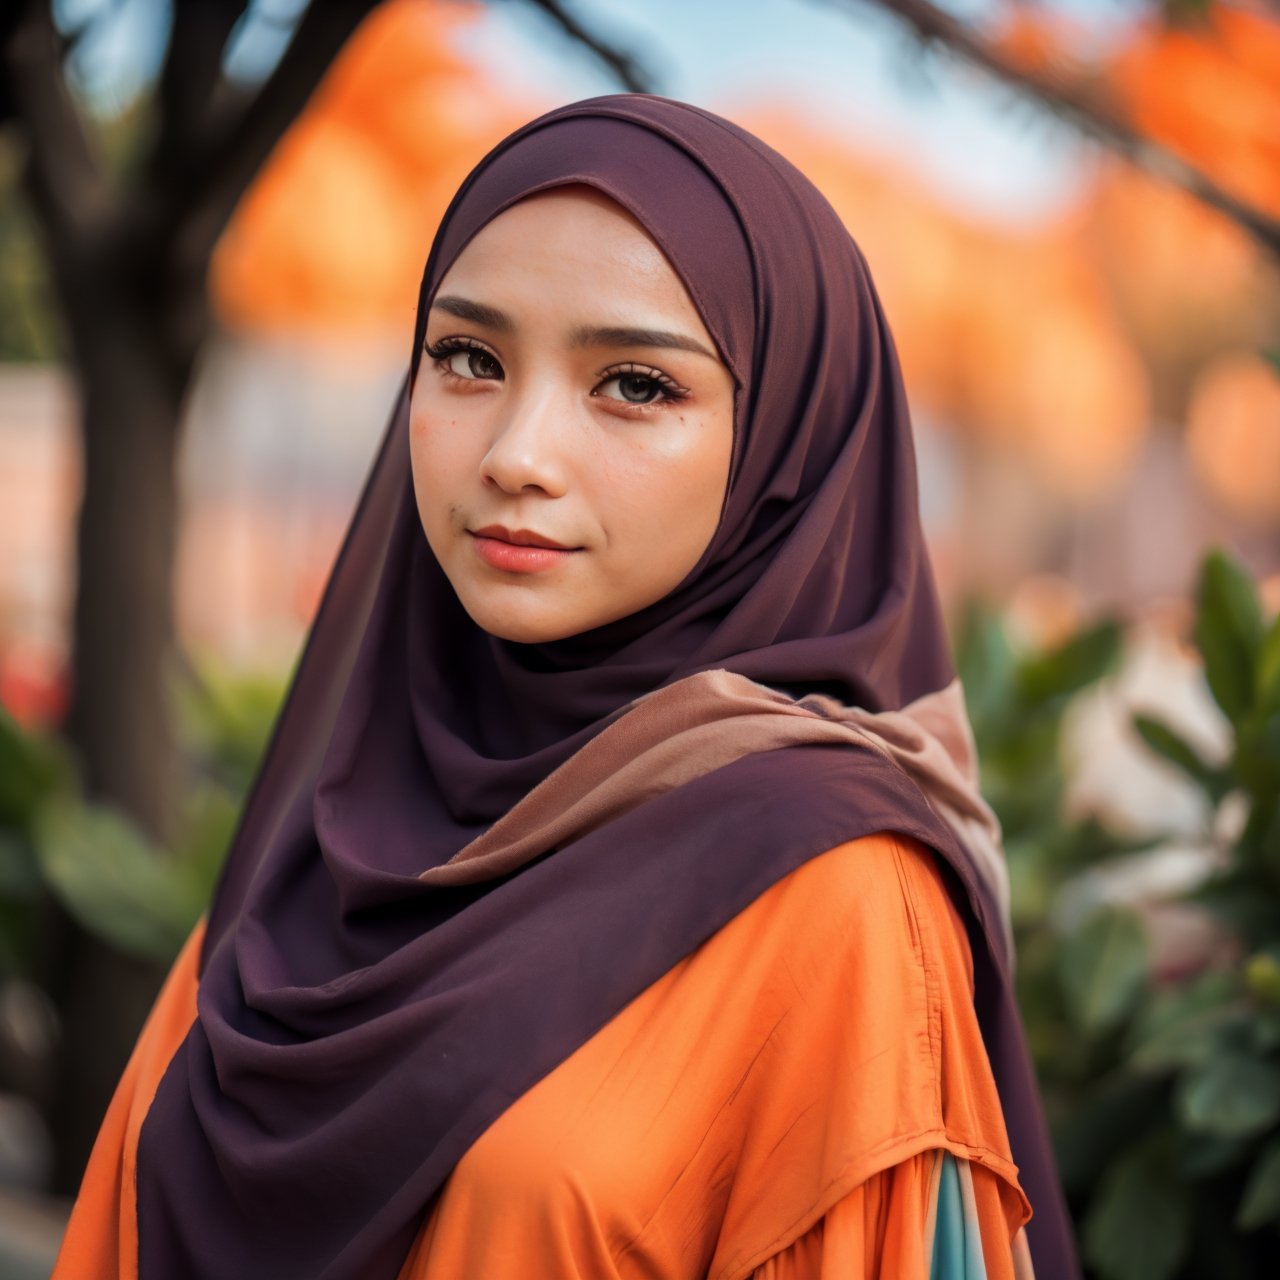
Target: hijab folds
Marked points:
463	856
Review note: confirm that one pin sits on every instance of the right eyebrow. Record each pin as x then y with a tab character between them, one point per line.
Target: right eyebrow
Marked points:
476	312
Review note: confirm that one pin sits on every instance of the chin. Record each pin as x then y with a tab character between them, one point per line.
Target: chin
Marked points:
522	626
528	634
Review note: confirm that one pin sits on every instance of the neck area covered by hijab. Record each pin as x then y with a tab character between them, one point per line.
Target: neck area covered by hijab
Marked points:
445	835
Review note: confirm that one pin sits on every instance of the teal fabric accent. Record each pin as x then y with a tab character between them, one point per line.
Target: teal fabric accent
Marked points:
957	1239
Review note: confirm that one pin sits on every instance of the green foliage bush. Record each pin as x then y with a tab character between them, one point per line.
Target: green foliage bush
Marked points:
120	885
1164	1098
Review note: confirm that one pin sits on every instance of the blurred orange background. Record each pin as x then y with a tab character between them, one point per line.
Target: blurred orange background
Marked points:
1092	394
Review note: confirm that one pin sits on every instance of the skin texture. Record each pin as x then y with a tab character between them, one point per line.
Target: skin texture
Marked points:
528	413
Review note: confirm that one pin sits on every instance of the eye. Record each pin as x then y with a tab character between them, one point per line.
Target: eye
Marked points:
465	358
639	386
473	364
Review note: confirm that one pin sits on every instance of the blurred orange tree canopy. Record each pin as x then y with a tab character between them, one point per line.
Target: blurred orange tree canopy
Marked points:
1062	342
1211	90
1200	76
1005	335
333	234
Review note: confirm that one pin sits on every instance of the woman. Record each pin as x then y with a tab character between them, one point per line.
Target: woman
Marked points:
615	897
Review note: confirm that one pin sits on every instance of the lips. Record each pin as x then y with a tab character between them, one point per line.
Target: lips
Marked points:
519	537
518	550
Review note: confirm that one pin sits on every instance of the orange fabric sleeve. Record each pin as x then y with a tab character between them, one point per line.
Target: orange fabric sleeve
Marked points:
881	1228
101	1241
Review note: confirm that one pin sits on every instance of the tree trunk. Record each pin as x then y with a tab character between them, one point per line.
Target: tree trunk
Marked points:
123	629
133	384
129	263
103	999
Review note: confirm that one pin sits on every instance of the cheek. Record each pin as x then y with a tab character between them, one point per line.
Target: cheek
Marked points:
700	474
669	491
439	455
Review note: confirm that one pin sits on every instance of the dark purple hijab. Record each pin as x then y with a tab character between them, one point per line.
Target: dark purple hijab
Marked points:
359	1029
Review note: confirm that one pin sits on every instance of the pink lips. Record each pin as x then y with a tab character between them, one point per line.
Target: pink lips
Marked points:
518	550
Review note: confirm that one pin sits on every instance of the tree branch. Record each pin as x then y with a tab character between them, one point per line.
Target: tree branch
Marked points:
631	75
1083	109
63	174
192	70
218	169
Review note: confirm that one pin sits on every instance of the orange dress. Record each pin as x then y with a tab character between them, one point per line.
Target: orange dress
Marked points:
786	1102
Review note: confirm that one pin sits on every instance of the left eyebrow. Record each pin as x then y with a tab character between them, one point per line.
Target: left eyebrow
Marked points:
476	312
586	336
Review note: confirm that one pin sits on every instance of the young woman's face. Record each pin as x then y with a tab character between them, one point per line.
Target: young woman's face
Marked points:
571	425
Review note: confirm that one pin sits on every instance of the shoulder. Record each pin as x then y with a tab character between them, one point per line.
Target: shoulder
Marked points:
876	901
854	976
857	959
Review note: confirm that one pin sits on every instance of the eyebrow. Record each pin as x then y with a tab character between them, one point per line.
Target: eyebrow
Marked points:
611	336
582	336
476	312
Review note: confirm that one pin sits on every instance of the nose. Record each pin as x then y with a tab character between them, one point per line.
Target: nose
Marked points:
528	451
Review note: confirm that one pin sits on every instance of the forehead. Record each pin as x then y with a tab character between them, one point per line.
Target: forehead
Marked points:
570	247
666	184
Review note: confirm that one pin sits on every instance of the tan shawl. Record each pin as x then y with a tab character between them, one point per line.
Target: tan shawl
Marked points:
706	721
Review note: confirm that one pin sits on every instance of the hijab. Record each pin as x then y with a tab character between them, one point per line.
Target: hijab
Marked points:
419	915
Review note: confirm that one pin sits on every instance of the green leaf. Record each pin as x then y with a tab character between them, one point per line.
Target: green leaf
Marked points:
30	770
228	719
1260	1203
1138	1226
1204	1155
141	899
1232	896
1269	737
1170	1007
208	826
1262	973
19	873
1268	681
1102	967
1188	1024
1101	1124
1256	764
986	665
1178	751
1084	658
1264	1030
1259	844
1228	632
1233	1096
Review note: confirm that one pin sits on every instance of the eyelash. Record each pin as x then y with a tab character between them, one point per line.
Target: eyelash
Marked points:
447	347
670	390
